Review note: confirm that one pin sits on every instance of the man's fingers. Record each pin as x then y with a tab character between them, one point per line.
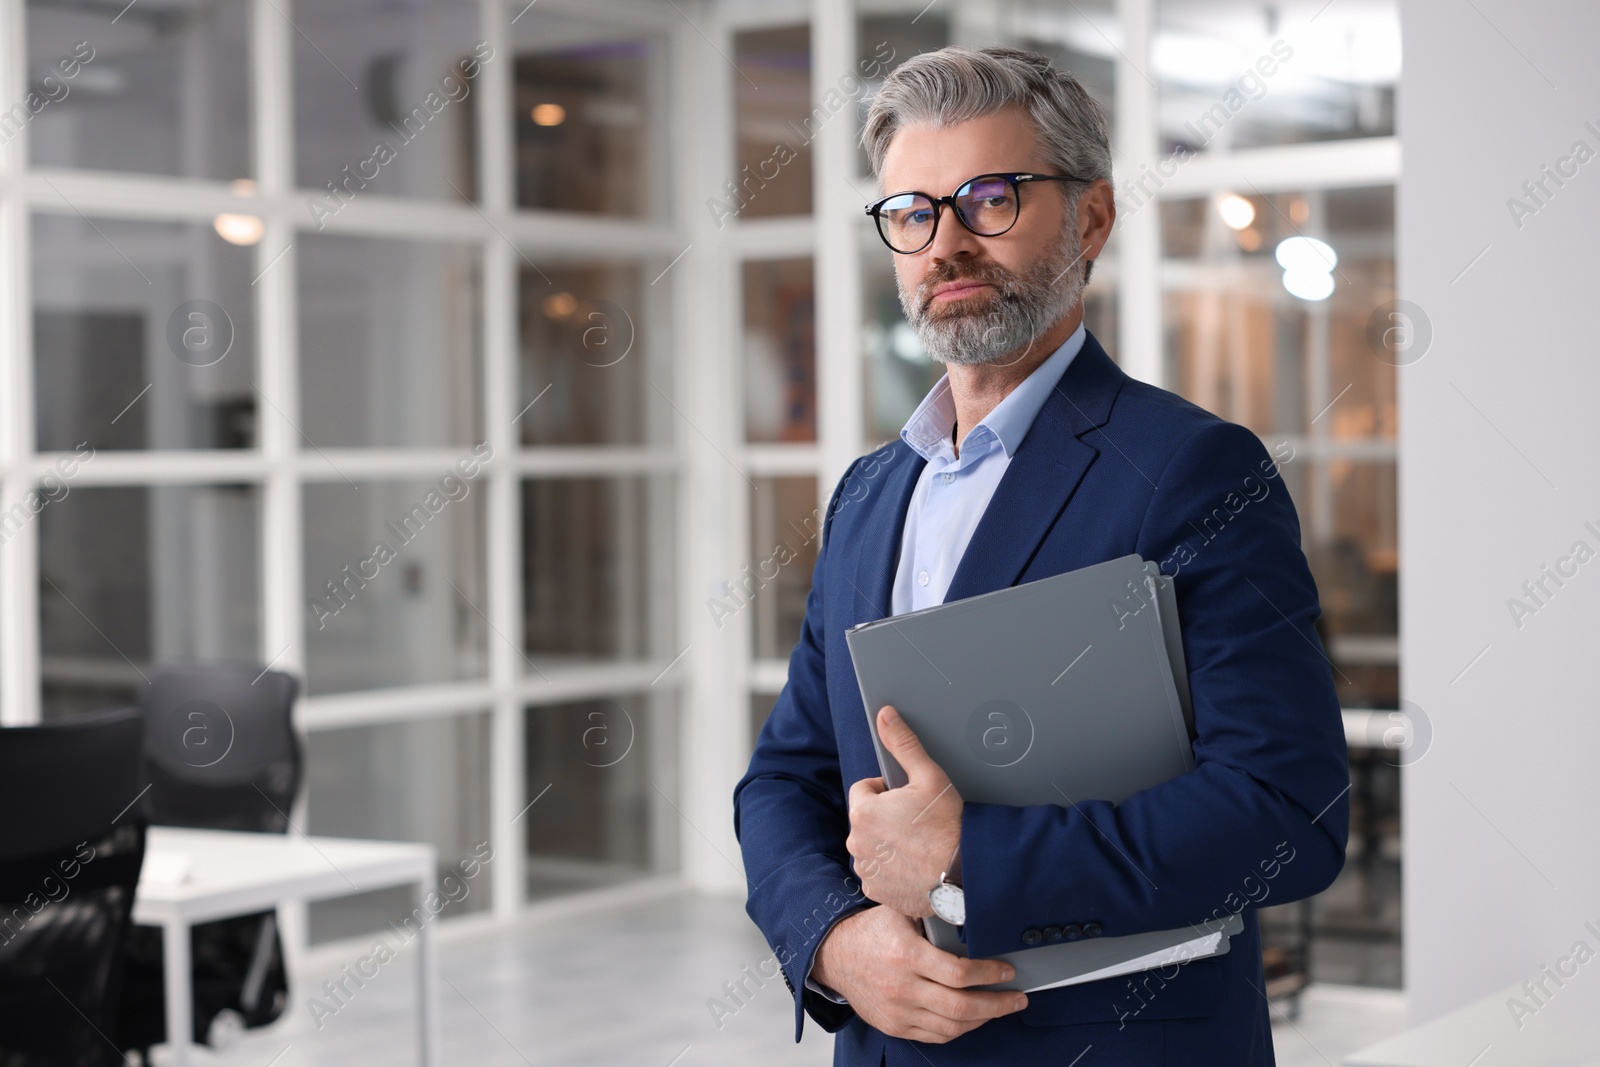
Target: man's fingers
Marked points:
907	750
867	787
957	972
970	1005
892	977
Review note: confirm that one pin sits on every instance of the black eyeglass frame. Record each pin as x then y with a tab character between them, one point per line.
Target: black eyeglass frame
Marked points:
1014	180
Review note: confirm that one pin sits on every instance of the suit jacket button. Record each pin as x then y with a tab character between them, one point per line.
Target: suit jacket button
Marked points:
1052	933
1072	931
1092	929
1030	936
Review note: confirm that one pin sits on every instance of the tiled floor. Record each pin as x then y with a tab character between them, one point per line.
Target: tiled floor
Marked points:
633	983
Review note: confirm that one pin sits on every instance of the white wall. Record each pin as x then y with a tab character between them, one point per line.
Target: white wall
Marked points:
1499	474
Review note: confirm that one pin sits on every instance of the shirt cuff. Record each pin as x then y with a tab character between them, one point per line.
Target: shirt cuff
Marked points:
822	990
816	986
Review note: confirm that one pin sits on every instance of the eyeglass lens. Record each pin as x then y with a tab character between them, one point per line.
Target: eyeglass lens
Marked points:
987	205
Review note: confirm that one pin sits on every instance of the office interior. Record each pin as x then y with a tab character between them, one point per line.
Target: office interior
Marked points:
484	368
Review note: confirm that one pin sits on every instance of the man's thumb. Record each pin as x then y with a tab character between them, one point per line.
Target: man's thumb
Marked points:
903	744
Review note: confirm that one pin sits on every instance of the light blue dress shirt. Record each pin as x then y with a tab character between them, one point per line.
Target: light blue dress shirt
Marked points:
952	493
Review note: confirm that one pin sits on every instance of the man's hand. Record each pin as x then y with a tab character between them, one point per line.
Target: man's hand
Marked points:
878	960
903	838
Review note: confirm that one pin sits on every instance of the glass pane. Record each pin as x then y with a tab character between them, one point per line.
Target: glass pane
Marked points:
774	124
1362	222
390	345
1348	520
1100	309
1242	75
1241	344
600	775
156	89
883	42
785	533
144	335
422	781
584	356
1357	920
1078	40
138	576
588	106
1241	354
383	100
898	372
590	549
394	580
780	350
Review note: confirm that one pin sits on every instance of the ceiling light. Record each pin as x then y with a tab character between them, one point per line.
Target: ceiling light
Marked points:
549	114
1306	253
1308	284
560	305
238	229
1307	267
1236	211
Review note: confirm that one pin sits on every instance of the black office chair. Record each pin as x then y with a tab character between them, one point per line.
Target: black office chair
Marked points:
71	845
222	755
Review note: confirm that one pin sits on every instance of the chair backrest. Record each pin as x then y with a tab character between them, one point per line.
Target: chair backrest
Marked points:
221	747
63	782
71	846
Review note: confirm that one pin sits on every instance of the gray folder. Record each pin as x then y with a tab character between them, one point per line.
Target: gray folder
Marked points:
1057	691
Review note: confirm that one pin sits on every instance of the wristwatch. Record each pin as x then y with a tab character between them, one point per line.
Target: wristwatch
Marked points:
948	899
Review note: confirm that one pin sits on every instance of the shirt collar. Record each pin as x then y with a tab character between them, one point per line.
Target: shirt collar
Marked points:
928	429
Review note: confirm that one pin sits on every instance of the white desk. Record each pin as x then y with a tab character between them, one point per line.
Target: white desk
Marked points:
233	874
1563	1032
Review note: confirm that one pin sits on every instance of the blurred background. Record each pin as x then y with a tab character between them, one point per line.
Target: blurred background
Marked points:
279	267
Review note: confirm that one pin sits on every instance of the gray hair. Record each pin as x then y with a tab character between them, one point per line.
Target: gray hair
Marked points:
956	84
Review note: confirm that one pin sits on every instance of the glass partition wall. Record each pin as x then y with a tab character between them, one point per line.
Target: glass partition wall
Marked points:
330	344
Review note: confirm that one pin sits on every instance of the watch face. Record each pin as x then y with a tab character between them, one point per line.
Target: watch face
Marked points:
949	903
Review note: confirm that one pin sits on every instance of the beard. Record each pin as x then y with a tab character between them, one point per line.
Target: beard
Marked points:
991	325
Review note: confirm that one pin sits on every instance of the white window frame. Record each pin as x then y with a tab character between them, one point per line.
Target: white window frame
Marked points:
281	468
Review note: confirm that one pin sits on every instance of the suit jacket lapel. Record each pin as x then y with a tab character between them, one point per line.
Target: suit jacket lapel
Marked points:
875	565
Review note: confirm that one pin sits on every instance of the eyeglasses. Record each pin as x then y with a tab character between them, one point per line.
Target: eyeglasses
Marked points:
987	205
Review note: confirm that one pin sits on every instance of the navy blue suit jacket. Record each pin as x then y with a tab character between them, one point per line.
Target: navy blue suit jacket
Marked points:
1110	466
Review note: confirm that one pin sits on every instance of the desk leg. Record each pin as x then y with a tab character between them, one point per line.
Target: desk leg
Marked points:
427	988
178	969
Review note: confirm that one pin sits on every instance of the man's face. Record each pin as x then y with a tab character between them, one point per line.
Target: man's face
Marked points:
1026	280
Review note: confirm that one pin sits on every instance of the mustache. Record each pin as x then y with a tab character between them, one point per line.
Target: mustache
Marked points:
1002	279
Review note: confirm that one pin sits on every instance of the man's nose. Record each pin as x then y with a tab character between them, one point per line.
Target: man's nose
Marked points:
952	239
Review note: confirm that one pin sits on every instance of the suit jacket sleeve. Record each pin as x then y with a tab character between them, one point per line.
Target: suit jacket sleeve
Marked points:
1265	813
790	814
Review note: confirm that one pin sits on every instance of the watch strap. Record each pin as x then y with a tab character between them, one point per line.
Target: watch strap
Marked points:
952	871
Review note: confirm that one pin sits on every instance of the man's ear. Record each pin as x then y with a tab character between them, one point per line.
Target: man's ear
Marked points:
1097	215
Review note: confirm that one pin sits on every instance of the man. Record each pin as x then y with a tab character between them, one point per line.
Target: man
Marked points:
1036	455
